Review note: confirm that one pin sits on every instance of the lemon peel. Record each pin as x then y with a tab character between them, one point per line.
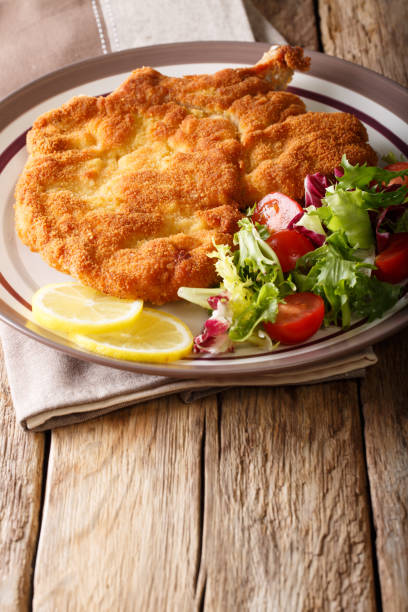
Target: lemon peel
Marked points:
68	307
155	336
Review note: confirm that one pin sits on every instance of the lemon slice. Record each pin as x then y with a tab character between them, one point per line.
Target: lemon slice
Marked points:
155	336
71	307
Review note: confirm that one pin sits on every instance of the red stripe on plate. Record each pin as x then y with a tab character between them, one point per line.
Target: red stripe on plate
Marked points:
13	292
12	150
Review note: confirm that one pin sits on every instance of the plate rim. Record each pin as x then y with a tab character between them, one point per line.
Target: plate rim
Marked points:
221	52
177	369
108	61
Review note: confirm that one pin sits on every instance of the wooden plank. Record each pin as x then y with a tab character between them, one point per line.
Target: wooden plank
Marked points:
372	33
279	518
294	19
286	523
121	522
385	403
21	462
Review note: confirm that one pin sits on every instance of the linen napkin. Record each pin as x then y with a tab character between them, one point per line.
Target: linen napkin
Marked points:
59	390
48	387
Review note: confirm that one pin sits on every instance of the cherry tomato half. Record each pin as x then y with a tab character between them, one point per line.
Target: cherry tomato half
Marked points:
298	318
392	262
399	180
276	210
289	245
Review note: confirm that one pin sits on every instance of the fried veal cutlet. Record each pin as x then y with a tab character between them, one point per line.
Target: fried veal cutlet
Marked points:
128	192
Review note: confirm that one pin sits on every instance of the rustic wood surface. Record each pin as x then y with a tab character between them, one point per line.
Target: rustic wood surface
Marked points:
282	499
385	404
295	19
121	524
376	36
371	33
21	464
179	505
286	523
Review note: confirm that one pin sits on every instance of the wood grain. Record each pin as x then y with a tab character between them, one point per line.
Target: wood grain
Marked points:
121	526
294	19
247	506
372	33
385	401
286	523
21	462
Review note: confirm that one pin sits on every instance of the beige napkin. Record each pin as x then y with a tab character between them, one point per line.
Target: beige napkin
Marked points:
49	388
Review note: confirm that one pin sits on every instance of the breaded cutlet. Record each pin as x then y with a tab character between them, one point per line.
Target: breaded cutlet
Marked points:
129	192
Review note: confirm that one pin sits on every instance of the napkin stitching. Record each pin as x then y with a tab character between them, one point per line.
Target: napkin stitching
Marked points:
109	14
99	26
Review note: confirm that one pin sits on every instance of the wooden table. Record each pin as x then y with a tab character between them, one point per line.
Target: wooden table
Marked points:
258	499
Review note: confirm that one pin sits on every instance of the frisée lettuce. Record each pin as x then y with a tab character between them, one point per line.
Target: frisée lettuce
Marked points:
252	279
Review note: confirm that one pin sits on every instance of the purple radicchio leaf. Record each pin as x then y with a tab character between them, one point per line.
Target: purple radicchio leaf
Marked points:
214	338
216	300
338	172
389	188
391	213
315	189
296	218
316	239
382	238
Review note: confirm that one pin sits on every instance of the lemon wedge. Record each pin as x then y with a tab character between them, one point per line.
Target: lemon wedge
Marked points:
71	307
155	336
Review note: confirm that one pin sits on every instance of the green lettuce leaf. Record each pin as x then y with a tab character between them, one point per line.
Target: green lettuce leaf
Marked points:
312	220
346	203
371	298
240	292
348	215
362	176
333	272
374	200
198	295
264	308
390	158
402	223
255	259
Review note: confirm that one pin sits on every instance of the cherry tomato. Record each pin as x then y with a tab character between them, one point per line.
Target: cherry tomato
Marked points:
399	180
289	245
298	319
392	262
276	210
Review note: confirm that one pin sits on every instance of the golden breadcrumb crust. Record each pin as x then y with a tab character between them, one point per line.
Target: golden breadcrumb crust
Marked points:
128	192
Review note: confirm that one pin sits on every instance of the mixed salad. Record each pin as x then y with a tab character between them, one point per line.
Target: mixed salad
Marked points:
294	268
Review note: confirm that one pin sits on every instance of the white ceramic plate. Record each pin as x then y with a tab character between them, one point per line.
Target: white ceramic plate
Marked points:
331	85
